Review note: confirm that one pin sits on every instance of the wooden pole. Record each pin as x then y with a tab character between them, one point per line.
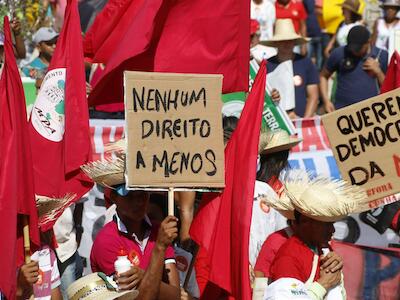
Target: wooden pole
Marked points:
27	243
171	201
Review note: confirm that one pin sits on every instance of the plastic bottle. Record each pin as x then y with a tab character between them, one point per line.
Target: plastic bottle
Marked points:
122	264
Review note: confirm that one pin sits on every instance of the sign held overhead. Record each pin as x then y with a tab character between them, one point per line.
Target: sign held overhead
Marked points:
365	140
174	130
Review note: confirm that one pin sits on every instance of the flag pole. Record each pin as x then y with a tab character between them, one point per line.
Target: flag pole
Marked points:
27	244
171	201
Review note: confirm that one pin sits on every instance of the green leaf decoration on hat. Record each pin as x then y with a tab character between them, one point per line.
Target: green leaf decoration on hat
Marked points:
107	280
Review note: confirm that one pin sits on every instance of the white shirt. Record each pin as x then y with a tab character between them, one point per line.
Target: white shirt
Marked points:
65	234
265	14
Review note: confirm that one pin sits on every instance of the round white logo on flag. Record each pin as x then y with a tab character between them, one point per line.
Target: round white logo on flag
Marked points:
48	116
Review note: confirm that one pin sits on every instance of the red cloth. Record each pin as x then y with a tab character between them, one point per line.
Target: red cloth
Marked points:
57	163
110	241
222	225
269	250
170	36
392	78
294	259
17	195
294	10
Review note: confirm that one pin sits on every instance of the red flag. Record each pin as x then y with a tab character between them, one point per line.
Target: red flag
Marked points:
392	78
222	225
171	36
17	195
59	127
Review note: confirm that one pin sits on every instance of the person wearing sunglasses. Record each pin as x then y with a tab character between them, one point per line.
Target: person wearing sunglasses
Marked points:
45	40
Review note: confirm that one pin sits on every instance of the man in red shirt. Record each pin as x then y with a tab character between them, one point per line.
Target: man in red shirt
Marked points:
294	10
304	265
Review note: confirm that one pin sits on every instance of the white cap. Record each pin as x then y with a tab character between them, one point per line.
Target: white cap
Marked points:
44	34
286	289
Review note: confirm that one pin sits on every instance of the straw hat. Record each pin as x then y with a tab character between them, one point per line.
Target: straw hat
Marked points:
352	5
284	31
97	286
328	200
276	141
296	181
390	3
48	208
108	172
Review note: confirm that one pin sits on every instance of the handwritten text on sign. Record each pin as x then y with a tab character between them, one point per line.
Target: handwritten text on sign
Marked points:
174	130
365	140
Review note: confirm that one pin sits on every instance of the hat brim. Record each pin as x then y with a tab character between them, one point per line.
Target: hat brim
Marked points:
344	5
273	41
287	146
389	5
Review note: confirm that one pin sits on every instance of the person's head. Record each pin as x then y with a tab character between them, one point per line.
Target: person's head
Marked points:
351	11
313	232
45	40
131	205
285	47
272	164
358	41
229	124
254	33
390	9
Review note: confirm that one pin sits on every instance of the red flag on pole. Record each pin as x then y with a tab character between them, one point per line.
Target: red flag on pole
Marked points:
392	77
59	123
227	217
17	195
170	36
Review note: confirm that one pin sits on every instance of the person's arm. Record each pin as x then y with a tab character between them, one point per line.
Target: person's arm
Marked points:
330	46
56	294
28	274
324	77
312	100
372	66
19	50
151	287
186	210
328	280
374	35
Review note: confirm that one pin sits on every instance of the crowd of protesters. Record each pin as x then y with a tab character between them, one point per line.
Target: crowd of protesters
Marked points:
330	71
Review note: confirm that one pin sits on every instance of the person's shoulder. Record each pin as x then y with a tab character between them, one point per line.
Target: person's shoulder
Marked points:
273	60
110	230
291	247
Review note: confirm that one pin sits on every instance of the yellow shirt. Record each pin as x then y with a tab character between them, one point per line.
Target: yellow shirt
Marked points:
332	14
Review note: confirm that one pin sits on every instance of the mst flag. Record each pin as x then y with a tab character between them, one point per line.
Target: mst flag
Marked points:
17	195
180	36
59	123
222	225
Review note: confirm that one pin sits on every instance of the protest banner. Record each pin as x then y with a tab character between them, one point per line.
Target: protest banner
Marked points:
364	138
174	130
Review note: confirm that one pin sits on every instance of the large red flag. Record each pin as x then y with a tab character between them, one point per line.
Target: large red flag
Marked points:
222	225
59	127
182	36
392	78
17	195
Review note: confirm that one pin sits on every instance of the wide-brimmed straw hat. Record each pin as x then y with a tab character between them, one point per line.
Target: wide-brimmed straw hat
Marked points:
108	172
390	3
284	31
328	200
276	141
296	181
352	5
49	208
97	286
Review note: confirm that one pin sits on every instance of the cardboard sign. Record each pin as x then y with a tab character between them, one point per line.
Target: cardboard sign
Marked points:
365	140
174	130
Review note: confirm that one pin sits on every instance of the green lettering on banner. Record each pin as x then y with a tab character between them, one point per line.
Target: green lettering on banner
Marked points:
273	116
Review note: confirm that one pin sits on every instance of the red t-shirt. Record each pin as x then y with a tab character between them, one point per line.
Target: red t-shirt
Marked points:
294	10
109	242
269	250
294	260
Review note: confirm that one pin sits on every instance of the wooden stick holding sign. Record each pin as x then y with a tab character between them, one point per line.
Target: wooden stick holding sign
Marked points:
171	209
27	243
